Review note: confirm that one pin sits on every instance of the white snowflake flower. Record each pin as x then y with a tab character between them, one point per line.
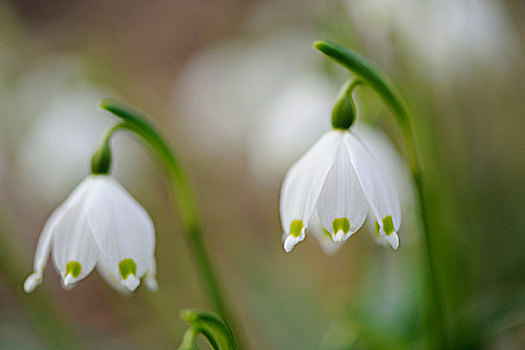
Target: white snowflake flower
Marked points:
100	224
339	180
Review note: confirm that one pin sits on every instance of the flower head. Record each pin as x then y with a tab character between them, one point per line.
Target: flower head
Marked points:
100	224
341	182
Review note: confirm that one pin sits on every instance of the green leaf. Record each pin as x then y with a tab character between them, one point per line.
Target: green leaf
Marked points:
211	326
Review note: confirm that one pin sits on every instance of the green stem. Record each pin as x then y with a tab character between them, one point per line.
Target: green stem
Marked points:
136	122
188	339
375	79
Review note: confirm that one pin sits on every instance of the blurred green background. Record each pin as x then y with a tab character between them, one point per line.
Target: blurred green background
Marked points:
240	93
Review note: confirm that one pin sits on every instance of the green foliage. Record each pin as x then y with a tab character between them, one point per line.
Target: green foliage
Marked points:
211	326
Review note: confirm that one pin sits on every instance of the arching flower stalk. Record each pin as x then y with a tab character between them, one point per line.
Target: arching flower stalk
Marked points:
341	182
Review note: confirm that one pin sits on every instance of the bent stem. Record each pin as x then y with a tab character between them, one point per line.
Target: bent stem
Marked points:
375	79
136	122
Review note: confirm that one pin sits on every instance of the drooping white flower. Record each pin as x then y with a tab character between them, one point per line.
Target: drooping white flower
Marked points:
339	180
100	224
385	153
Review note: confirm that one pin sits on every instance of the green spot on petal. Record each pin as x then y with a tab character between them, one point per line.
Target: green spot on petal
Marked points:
377	228
296	227
326	233
388	225
341	224
74	268
127	267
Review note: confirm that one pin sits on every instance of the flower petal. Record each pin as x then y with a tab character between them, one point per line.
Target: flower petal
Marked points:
342	207
151	276
46	237
108	270
377	186
74	250
122	229
302	186
328	245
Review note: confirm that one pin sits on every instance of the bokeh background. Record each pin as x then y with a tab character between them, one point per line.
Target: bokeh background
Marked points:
238	90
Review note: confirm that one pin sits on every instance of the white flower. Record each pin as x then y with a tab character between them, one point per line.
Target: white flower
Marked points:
339	180
100	224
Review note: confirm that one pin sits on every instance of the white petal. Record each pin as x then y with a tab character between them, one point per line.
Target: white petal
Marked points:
291	241
376	183
328	245
44	241
392	239
379	235
303	183
342	202
74	250
121	228
151	276
386	154
109	272
373	229
131	282
32	281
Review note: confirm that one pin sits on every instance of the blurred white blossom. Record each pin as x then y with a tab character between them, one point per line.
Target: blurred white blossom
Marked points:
447	38
56	150
223	88
288	123
55	123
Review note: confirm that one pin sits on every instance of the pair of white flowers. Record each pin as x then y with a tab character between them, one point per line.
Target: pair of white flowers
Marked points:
99	225
333	188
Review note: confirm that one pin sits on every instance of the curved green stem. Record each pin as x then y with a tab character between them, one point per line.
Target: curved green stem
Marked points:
373	77
188	339
212	327
136	122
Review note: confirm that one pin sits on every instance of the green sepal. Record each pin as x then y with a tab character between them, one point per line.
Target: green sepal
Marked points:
344	112
211	326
